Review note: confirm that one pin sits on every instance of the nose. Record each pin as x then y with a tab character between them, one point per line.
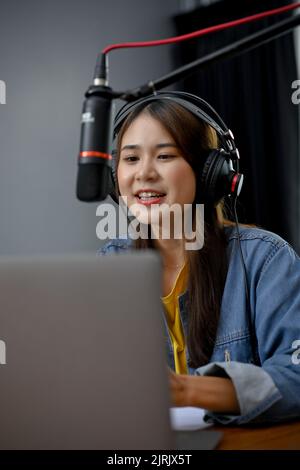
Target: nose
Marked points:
146	170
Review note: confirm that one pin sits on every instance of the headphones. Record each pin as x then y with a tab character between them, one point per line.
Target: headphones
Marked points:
219	175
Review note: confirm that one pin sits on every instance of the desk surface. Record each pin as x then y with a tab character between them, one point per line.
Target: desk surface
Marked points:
282	436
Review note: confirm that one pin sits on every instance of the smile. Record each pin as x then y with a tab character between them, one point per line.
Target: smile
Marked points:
148	199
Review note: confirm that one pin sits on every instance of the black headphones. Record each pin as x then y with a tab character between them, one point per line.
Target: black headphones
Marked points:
219	175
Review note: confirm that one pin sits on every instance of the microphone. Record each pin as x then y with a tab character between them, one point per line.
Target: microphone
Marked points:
94	179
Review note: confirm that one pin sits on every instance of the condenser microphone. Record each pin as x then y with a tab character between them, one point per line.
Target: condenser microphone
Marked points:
94	180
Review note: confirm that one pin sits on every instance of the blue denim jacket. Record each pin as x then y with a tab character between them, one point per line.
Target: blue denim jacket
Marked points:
267	385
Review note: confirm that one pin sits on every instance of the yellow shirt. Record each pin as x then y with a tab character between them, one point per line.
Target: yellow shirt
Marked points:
172	312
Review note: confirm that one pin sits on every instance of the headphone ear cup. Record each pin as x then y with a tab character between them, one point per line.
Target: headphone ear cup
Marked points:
113	190
113	167
209	177
217	177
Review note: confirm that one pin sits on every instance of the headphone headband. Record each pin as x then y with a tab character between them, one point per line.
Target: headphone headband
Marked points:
196	105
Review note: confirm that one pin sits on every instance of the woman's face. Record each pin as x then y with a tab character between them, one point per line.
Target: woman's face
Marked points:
150	162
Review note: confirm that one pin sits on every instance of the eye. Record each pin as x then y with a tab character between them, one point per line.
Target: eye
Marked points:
166	156
130	158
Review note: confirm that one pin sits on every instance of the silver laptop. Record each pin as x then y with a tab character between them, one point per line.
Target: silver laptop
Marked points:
82	359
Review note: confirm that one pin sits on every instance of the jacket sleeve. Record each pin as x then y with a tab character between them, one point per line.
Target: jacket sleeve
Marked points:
270	392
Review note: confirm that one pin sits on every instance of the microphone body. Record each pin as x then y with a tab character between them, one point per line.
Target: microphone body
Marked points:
94	179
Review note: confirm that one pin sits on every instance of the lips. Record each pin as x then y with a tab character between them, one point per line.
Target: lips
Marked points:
149	193
146	197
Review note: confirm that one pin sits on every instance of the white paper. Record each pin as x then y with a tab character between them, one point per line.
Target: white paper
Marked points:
187	418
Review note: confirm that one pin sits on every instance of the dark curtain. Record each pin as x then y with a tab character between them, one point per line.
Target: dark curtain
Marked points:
252	92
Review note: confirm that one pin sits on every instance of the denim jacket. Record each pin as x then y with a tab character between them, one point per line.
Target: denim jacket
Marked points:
267	381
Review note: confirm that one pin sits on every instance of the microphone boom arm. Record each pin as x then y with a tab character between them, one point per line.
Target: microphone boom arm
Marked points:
229	51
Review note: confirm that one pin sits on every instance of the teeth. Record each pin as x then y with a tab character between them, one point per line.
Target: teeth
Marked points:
145	194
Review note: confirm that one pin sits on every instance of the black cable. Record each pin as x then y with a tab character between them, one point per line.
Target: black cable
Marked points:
248	305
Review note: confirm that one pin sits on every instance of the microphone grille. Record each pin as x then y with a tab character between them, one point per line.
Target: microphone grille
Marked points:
93	182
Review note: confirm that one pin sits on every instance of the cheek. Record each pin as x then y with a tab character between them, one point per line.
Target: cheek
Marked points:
188	192
123	180
183	181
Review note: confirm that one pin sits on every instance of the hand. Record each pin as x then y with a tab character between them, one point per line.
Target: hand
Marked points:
212	393
179	389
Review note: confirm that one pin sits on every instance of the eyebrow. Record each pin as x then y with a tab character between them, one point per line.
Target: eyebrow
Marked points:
158	146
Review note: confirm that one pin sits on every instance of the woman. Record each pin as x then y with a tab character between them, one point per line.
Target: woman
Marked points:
233	354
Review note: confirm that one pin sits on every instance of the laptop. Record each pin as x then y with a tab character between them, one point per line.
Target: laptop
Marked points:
82	358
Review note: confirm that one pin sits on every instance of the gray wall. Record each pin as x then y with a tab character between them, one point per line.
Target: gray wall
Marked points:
48	51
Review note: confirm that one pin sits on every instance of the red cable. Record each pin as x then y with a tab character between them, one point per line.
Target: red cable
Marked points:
202	32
